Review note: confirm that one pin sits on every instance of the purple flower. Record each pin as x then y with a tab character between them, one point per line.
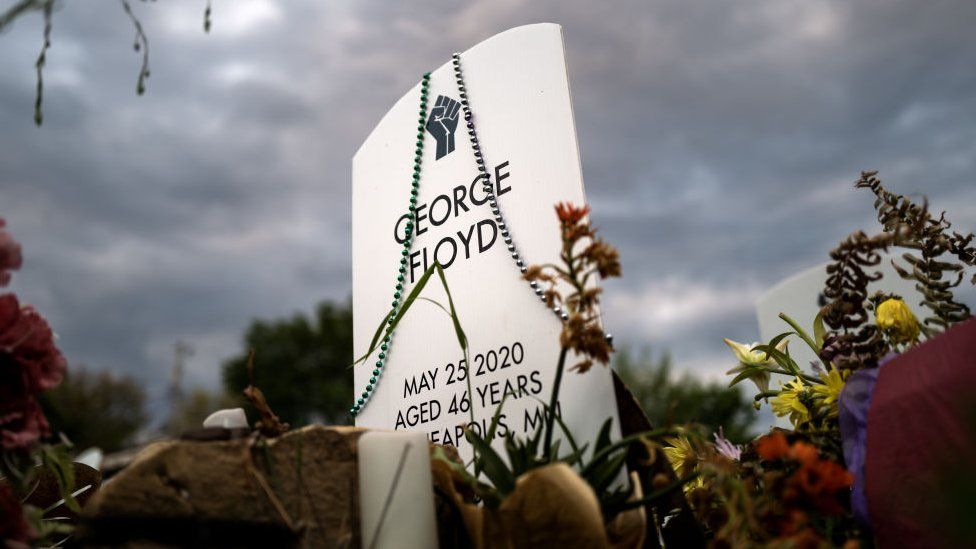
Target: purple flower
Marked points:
725	447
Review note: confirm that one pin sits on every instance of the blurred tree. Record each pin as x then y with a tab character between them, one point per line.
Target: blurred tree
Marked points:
669	399
301	365
195	408
96	409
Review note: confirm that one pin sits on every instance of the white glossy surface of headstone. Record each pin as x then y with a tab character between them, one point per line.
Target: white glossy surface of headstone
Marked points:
519	93
799	297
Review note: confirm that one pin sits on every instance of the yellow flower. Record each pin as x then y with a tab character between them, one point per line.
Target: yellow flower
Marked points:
829	392
681	454
897	321
788	403
684	459
754	361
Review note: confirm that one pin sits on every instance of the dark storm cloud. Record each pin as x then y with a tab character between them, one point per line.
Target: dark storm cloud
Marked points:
719	143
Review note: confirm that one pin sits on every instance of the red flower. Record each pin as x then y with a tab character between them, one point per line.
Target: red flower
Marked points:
13	524
10	258
29	364
27	338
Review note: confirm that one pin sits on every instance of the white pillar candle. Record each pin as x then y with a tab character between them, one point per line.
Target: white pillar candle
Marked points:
396	491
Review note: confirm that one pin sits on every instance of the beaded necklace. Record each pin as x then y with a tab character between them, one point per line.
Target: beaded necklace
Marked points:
415	185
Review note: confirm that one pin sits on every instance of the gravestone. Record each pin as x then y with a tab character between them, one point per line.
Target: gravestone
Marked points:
518	89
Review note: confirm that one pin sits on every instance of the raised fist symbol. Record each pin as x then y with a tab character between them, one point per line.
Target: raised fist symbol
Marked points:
442	123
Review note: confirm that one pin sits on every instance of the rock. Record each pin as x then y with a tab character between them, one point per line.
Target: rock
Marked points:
297	490
229	418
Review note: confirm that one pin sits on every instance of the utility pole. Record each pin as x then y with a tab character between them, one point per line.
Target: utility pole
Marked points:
181	351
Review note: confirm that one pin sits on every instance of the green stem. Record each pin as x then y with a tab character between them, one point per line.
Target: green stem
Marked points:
803	376
805	337
551	418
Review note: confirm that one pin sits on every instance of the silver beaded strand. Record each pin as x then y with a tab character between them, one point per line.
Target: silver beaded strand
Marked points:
492	199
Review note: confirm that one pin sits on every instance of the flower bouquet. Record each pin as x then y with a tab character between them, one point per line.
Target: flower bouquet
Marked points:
863	460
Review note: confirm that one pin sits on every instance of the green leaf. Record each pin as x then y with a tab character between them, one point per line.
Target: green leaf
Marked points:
411	297
781	358
603	438
495	419
435	302
599	455
776	340
57	460
577	455
492	464
462	339
819	330
805	337
605	474
517	461
576	458
376	338
746	374
533	443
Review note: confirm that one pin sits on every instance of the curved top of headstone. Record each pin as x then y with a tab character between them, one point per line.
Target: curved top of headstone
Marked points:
511	38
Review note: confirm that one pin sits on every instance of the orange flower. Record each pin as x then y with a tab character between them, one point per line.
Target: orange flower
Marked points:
569	214
572	223
804	453
821	481
774	446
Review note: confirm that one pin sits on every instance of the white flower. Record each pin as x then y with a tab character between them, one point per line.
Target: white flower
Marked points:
754	362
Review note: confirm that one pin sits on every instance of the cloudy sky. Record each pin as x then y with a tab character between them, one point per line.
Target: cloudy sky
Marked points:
720	141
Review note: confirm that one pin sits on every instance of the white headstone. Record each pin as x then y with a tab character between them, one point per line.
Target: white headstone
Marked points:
519	93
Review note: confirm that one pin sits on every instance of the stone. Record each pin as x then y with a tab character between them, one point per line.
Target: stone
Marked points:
230	418
297	490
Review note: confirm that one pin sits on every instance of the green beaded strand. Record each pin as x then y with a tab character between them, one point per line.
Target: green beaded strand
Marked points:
398	292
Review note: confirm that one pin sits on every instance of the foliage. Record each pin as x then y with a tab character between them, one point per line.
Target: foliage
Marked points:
783	491
937	263
46	7
853	341
300	363
790	488
97	409
674	400
930	236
